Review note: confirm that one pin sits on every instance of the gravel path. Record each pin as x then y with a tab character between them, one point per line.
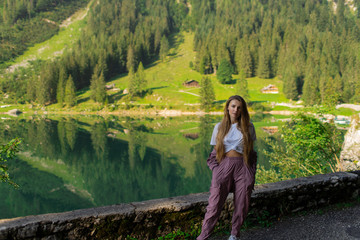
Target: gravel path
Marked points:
337	224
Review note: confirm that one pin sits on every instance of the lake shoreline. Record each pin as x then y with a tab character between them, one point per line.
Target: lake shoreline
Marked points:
163	113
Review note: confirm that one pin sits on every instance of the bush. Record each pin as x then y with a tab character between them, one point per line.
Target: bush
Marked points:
7	152
307	147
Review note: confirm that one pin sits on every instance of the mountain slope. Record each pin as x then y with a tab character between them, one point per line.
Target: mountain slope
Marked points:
166	79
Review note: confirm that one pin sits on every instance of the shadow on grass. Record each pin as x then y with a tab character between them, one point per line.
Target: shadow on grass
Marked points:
220	102
233	81
255	102
153	88
119	95
83	100
153	63
116	96
117	76
175	42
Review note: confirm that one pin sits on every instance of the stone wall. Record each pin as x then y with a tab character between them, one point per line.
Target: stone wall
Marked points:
153	218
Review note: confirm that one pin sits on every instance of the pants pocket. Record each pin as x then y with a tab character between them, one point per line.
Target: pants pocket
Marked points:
250	182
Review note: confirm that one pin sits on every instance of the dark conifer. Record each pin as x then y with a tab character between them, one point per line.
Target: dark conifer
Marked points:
290	83
131	59
164	48
224	73
207	94
243	59
61	86
70	93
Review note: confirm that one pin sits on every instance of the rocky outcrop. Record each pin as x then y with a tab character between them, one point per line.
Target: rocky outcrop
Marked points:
350	154
14	112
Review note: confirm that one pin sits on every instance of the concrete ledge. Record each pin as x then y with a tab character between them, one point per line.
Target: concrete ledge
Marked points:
149	219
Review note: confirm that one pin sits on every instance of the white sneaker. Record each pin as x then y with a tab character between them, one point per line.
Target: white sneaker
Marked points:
232	237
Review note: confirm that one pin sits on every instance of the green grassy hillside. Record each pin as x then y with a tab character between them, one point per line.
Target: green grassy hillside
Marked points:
166	78
68	34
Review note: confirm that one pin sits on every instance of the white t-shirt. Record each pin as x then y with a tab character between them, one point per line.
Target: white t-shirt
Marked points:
234	138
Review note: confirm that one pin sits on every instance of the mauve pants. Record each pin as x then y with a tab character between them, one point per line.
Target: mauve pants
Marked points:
231	175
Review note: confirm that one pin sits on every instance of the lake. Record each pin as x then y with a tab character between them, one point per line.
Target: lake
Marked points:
74	162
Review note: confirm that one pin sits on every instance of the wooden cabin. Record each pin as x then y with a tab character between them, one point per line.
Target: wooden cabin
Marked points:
191	83
191	136
270	89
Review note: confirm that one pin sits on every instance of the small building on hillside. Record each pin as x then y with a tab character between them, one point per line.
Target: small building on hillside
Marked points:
270	129
110	86
191	136
191	83
270	89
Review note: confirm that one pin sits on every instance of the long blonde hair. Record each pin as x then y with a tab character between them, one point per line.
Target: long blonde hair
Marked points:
243	125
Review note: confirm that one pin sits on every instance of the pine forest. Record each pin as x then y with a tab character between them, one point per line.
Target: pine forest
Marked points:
311	45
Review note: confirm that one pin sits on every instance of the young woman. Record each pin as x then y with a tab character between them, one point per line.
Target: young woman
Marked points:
233	163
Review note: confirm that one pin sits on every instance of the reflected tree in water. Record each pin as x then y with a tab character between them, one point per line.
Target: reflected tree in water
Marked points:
71	132
99	139
67	132
45	137
62	136
137	144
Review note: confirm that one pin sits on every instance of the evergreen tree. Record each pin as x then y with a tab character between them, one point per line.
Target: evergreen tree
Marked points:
46	89
97	87
141	79
264	67
330	92
224	73
243	59
242	86
100	94
31	87
202	66
157	40
290	84
164	48
207	94
61	86
137	82
70	93
102	64
94	81
340	12
131	59
311	92
356	96
133	85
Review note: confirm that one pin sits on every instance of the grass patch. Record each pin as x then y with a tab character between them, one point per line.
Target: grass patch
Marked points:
345	112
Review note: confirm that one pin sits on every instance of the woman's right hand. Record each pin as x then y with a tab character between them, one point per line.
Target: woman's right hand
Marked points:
211	161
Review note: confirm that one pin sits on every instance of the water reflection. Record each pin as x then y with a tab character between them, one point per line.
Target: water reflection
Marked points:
70	163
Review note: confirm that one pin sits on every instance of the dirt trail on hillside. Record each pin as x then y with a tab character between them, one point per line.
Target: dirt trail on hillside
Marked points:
77	16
